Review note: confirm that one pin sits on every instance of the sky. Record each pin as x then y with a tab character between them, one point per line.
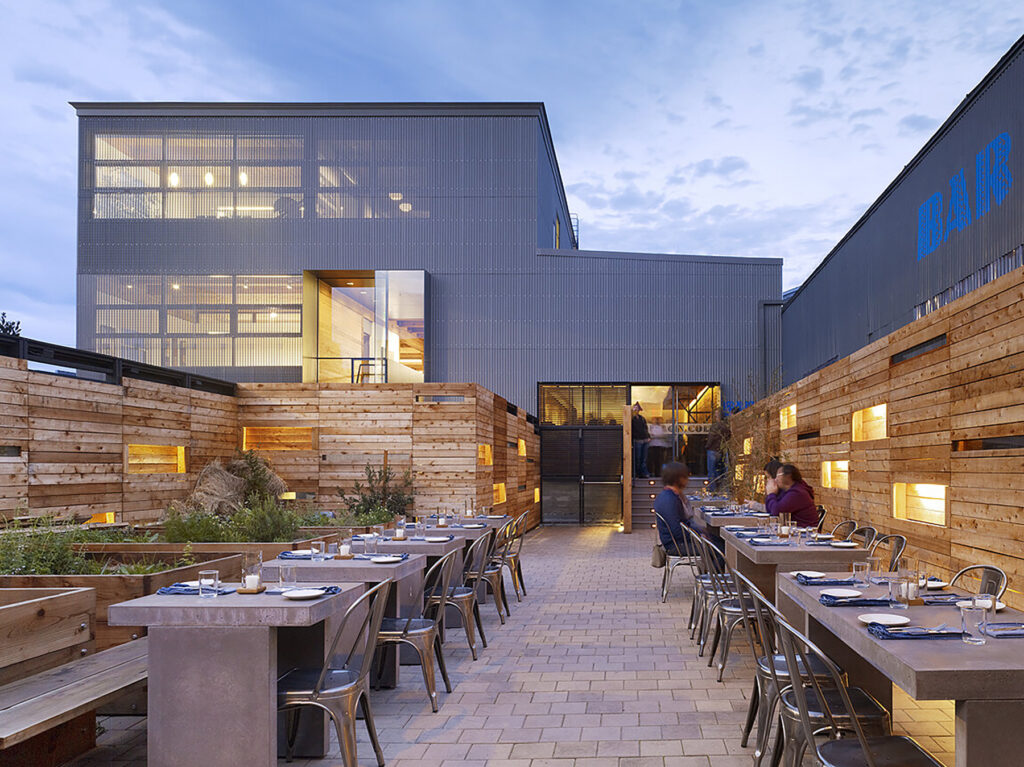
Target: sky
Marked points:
728	128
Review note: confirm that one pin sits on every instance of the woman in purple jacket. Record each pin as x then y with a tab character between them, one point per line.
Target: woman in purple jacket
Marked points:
789	494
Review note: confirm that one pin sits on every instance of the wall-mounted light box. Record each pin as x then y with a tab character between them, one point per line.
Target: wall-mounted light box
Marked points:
268	438
484	455
787	417
919	502
870	423
835	475
522	447
748	445
499	493
155	459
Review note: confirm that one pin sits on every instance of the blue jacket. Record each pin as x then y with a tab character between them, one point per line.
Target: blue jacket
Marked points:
676	512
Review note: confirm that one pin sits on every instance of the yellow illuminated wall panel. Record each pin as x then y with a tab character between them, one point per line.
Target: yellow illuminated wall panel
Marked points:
155	459
919	502
870	423
787	417
277	438
484	455
748	445
835	474
499	493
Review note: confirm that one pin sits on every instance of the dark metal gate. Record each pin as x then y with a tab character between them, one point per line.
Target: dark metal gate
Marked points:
581	474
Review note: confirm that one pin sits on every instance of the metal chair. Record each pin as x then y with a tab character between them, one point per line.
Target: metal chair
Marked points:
866	533
822	511
843	529
992	579
512	560
727	610
422	632
680	555
896	543
463	598
339	690
704	589
493	574
834	703
771	673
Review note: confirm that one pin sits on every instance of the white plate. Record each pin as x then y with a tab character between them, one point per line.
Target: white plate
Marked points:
933	584
808	573
982	603
841	593
495	516
302	552
822	536
436	539
763	540
886	619
845	544
760	514
303	593
385	560
473	526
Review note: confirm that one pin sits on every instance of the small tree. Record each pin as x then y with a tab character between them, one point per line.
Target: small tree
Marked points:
9	327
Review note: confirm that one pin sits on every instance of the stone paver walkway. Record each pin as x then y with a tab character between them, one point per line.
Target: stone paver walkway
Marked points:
590	671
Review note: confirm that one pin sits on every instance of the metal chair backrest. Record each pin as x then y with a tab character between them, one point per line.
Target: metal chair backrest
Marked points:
371	604
844	528
714	563
680	551
519	531
992	579
766	617
502	542
476	557
868	534
822	511
799	650
694	556
436	583
896	543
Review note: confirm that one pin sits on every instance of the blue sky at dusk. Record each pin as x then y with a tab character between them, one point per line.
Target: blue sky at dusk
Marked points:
729	128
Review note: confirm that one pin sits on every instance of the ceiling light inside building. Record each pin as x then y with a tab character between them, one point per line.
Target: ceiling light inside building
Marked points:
173	179
208	178
350	284
396	196
243	178
273	315
175	286
405	207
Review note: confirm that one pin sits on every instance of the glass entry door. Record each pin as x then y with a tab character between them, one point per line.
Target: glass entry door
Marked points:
679	417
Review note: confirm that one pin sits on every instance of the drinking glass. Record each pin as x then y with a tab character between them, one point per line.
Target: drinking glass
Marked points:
317	548
370	543
861	572
874	566
209	583
400	529
332	549
252	564
442	517
973	619
421	528
898	591
287	576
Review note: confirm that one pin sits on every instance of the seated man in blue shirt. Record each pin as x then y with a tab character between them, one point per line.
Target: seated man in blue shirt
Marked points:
671	505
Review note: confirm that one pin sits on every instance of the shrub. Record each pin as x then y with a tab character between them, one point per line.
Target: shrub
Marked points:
382	498
193	525
263	518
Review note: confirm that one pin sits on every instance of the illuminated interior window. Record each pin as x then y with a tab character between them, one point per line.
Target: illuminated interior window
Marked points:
277	438
869	423
787	417
484	455
499	493
155	459
835	474
919	502
748	445
522	448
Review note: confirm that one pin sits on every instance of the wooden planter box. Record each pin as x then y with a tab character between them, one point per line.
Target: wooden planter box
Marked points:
269	550
111	589
43	628
334	532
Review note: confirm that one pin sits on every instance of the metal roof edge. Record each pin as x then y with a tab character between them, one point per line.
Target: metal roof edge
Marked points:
297	108
968	101
674	257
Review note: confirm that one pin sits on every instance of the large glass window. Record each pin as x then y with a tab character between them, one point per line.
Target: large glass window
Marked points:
127	176
118	146
127	205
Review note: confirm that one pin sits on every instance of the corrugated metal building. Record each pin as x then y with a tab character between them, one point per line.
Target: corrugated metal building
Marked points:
951	221
231	239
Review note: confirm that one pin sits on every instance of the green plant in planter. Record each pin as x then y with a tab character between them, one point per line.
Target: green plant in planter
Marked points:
382	498
193	525
263	518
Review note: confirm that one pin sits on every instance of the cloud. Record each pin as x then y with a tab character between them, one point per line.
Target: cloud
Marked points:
916	123
724	167
809	79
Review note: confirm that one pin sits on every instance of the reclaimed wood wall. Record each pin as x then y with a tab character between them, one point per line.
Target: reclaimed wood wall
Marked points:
432	430
72	436
969	388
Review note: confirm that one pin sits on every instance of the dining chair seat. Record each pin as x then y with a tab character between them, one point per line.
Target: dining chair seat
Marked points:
299	683
397	626
887	751
863	703
731	606
817	667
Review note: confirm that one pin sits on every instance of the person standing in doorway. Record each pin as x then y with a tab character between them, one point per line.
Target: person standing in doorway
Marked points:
641	442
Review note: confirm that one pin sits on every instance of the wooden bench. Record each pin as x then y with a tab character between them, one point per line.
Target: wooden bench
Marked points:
50	717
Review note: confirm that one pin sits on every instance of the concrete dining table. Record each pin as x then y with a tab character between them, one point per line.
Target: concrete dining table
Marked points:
761	562
213	670
985	681
716	519
403	601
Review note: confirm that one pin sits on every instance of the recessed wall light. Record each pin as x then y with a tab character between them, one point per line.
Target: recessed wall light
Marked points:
350	284
396	196
173	179
208	178
405	207
243	178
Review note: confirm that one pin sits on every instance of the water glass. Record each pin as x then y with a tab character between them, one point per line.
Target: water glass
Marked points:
442	517
252	564
861	571
318	548
370	543
288	576
209	583
421	528
898	591
332	549
874	566
973	620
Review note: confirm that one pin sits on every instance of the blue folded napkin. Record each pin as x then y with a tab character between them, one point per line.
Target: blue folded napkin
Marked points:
181	590
293	555
404	555
830	601
1004	630
879	631
747	534
803	580
943	599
